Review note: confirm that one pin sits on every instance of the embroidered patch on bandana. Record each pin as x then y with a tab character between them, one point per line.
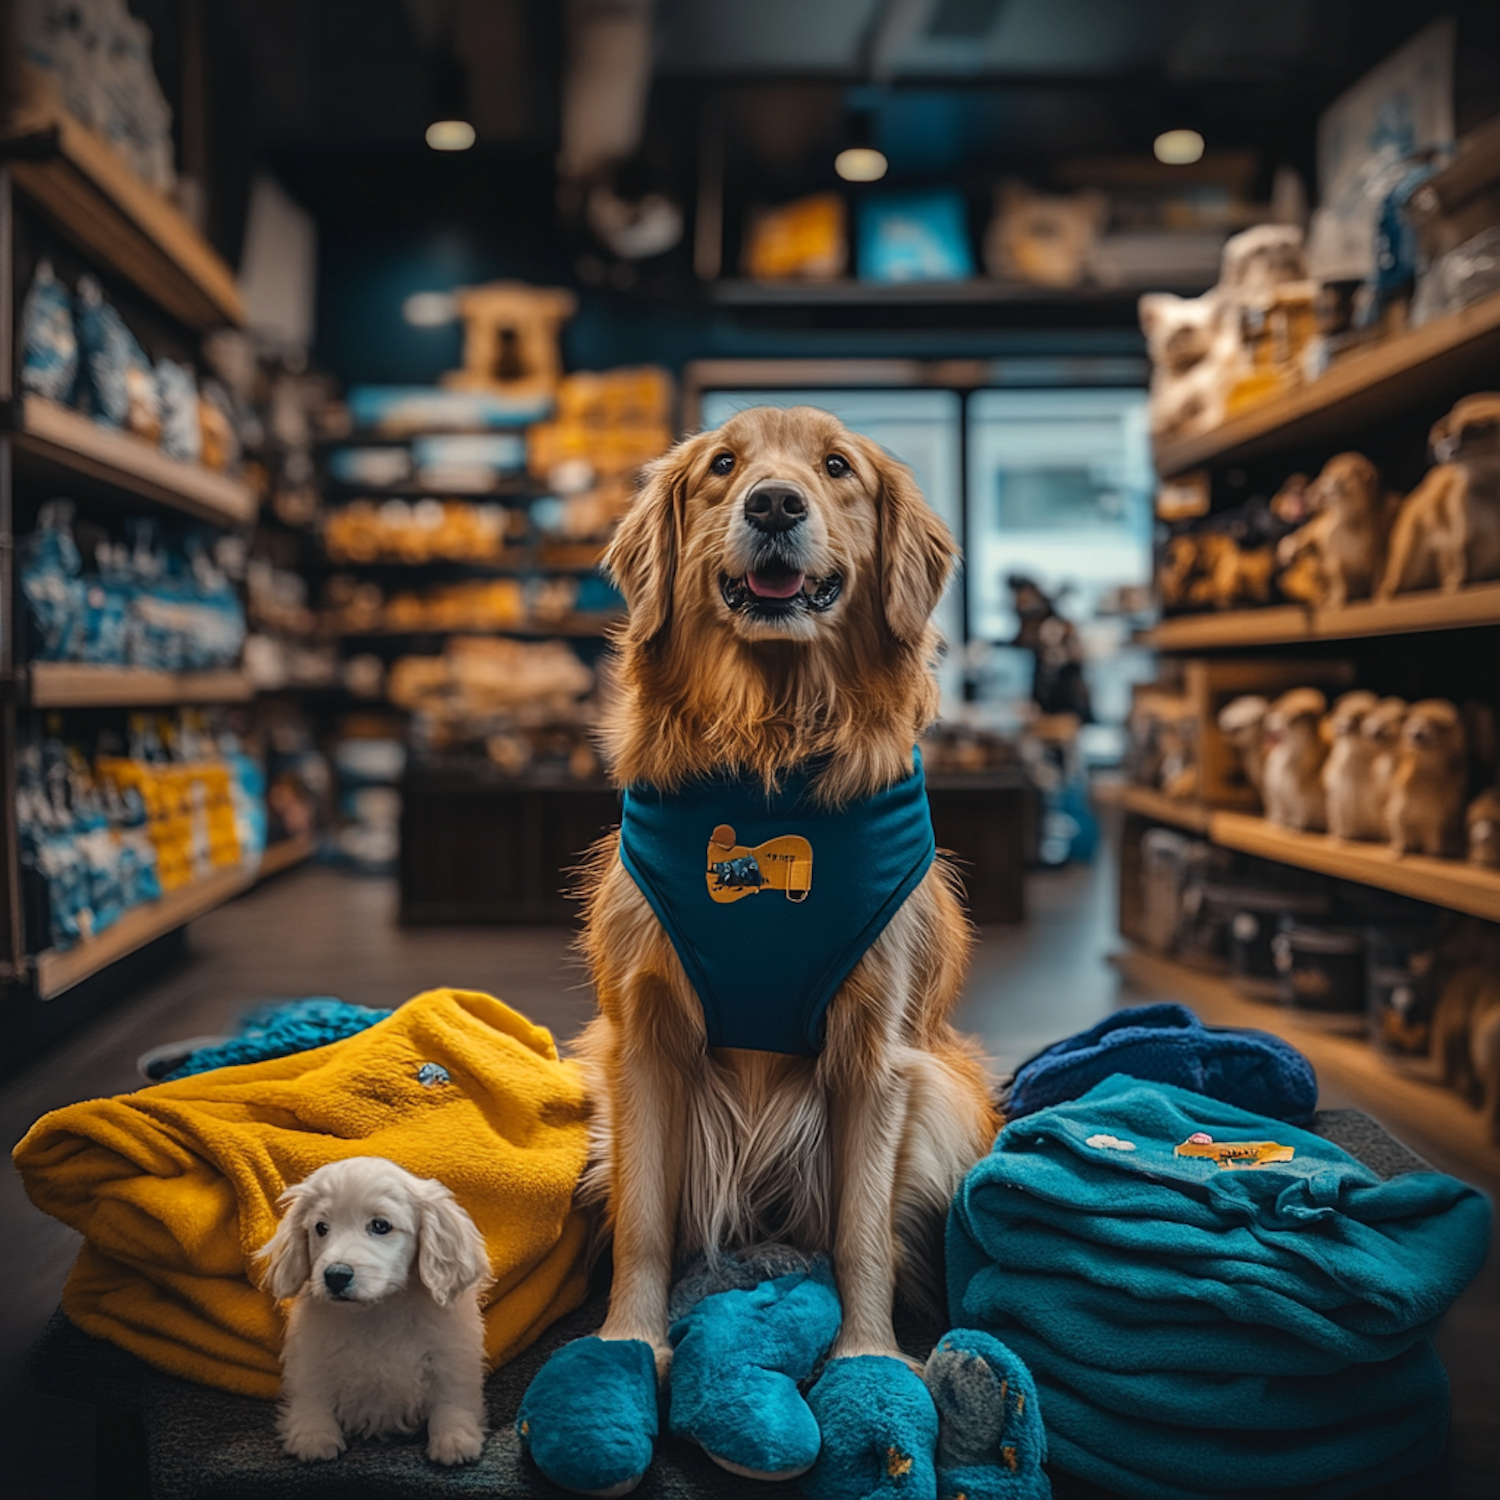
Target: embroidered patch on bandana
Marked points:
1241	1154
780	864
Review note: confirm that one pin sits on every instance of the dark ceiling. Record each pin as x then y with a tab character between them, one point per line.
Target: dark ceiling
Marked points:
332	93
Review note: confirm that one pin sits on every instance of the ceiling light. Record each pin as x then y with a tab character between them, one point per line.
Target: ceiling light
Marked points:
430	309
860	164
450	135
1178	148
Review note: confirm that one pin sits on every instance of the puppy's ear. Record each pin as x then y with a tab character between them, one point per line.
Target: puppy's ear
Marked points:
916	549
286	1263
642	558
451	1254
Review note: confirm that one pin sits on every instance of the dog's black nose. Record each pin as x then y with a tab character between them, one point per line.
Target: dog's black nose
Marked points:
774	507
337	1278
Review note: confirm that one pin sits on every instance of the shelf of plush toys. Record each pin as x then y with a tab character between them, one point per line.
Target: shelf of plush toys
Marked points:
1411	1097
1364	387
54	444
89	191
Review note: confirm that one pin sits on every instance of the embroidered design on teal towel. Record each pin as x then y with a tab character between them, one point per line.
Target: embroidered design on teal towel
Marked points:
729	872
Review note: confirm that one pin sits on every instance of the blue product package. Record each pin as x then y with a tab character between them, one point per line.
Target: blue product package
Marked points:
117	387
181	433
49	342
914	237
50	583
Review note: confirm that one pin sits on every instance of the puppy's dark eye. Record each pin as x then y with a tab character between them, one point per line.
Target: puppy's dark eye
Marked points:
320	1229
380	1226
723	464
837	466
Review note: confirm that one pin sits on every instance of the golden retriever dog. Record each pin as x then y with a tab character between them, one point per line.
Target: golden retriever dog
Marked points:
781	574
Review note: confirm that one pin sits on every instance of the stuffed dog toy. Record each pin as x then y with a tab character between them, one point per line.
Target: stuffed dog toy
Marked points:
1295	751
1347	771
1242	722
1194	344
1347	536
384	1271
1482	822
1427	791
1448	531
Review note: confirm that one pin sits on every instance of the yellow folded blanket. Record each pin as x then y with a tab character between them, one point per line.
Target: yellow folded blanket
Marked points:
174	1187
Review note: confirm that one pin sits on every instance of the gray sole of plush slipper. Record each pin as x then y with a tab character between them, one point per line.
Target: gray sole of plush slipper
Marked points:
744	1473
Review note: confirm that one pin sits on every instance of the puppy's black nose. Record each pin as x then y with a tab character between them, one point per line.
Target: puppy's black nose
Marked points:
774	507
337	1278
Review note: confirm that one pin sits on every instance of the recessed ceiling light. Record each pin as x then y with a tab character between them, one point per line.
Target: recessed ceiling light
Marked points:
430	309
1178	148
860	164
450	135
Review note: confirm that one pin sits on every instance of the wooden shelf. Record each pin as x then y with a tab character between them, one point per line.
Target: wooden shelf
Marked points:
57	445
1149	803
573	629
847	292
284	854
88	190
57	684
1367	386
1407	1099
1407	614
1451	883
56	972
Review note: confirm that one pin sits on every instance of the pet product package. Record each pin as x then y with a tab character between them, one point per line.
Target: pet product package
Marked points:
177	392
49	344
118	386
914	237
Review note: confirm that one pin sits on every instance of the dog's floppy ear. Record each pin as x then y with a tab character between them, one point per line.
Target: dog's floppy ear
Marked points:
642	558
287	1264
916	549
451	1254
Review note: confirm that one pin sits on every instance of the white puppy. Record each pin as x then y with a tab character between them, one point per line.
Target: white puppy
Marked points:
371	1349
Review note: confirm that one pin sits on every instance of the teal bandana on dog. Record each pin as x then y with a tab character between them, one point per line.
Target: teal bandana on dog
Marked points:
770	901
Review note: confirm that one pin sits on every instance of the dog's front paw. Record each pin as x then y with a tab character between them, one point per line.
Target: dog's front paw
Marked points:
458	1444
312	1441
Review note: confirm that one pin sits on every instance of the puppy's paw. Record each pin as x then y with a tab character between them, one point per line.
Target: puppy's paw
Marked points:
458	1444
312	1441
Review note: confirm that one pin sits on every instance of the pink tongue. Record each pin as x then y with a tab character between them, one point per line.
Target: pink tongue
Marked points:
781	586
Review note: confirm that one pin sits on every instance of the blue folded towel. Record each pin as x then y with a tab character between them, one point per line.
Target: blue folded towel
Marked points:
1148	1291
1169	1044
278	1029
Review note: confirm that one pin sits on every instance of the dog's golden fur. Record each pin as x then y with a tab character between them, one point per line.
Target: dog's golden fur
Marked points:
857	1151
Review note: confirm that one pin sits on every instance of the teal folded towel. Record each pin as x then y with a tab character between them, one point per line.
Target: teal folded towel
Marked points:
1140	1286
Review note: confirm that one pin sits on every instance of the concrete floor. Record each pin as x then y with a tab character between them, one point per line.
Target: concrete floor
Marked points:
315	931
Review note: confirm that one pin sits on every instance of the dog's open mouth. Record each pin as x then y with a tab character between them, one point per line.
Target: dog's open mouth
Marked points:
774	590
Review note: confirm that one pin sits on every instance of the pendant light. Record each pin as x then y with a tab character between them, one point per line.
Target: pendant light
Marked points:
448	126
861	160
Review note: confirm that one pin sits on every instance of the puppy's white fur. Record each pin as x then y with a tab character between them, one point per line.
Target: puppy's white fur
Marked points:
1295	751
402	1342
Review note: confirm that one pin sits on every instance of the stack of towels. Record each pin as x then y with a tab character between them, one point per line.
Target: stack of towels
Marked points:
1198	1329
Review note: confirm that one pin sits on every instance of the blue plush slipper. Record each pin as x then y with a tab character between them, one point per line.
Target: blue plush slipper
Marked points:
738	1356
991	1444
588	1419
1169	1044
880	1429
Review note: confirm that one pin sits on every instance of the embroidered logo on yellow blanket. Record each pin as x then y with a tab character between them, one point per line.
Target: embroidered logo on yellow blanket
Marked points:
781	864
1236	1153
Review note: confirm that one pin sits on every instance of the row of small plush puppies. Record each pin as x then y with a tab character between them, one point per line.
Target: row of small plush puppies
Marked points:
1371	768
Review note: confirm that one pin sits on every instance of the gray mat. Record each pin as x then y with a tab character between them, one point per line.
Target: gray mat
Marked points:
205	1444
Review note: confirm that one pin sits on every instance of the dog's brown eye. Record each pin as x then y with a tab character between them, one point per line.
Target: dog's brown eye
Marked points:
837	465
320	1229
380	1226
723	464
